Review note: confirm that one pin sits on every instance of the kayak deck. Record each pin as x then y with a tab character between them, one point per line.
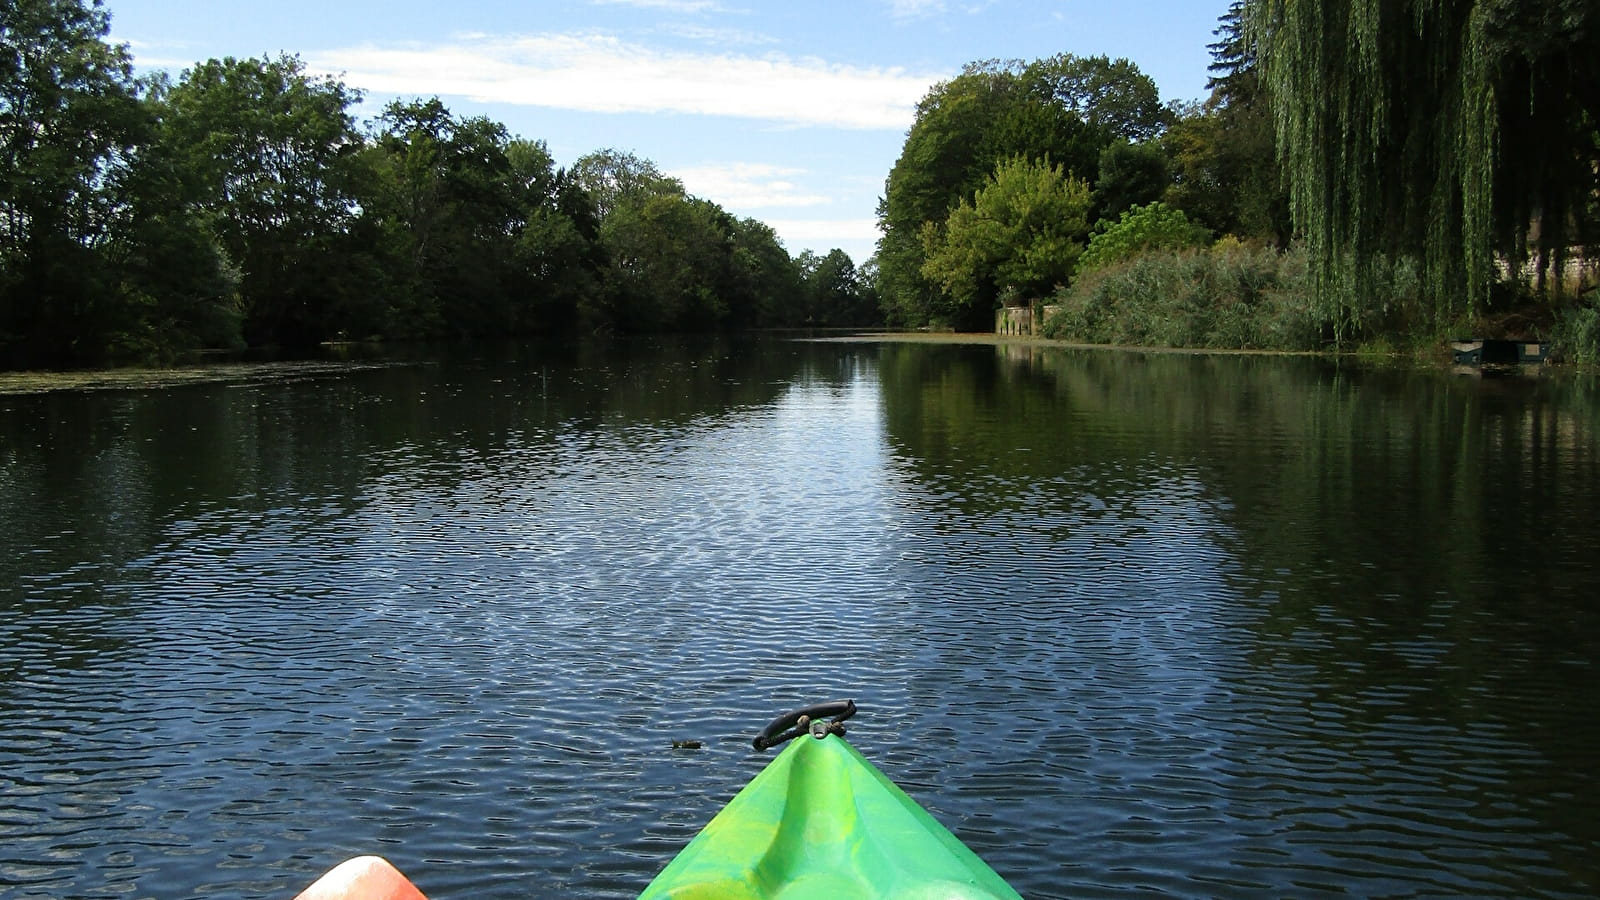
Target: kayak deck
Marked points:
822	822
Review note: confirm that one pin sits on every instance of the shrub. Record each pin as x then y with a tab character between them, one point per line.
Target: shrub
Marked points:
1155	226
1576	336
1228	297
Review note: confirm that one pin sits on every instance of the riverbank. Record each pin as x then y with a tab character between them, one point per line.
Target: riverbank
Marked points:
1431	357
981	337
44	382
143	378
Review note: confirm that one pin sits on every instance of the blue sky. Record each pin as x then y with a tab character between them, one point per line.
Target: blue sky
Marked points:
791	113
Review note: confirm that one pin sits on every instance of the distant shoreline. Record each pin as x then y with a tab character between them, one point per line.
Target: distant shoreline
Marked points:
24	382
981	337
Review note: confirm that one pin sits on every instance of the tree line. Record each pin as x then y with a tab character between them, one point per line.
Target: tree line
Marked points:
1355	174
1432	165
241	204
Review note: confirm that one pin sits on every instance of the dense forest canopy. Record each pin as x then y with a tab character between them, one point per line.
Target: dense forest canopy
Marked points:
241	203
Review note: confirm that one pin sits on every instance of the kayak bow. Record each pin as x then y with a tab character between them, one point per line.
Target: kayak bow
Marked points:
818	822
821	821
362	878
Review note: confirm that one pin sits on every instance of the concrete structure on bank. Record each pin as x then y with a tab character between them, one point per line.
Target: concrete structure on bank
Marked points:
1022	321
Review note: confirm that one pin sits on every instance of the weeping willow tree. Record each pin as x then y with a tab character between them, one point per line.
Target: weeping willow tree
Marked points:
1461	134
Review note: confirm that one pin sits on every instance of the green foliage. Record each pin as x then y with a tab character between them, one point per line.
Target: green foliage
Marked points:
1226	173
1231	296
1130	175
1021	234
174	270
458	198
1577	332
613	177
764	283
679	263
1154	226
68	117
1233	59
836	293
945	158
67	113
1224	152
1451	131
1110	95
240	205
675	262
265	153
1066	109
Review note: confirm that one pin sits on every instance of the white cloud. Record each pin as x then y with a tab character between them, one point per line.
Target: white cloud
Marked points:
719	36
748	186
598	73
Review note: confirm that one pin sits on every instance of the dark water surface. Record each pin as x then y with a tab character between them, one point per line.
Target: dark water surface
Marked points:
1130	624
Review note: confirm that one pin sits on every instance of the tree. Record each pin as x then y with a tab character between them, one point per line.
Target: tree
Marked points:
103	255
1110	95
456	196
611	177
558	250
675	262
836	292
1019	237
1455	131
269	152
765	283
1130	175
1224	152
665	254
947	154
1066	108
1234	78
167	260
69	118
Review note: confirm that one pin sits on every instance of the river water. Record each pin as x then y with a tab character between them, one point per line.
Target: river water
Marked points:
1128	623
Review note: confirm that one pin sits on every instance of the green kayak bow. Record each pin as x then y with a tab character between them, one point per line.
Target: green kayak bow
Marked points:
820	821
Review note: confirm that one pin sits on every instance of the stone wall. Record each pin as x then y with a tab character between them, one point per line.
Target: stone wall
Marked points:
1022	321
1014	320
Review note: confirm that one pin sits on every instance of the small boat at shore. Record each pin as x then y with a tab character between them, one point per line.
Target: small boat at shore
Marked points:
820	821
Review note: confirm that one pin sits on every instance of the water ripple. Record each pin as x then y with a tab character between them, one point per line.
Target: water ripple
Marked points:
474	658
